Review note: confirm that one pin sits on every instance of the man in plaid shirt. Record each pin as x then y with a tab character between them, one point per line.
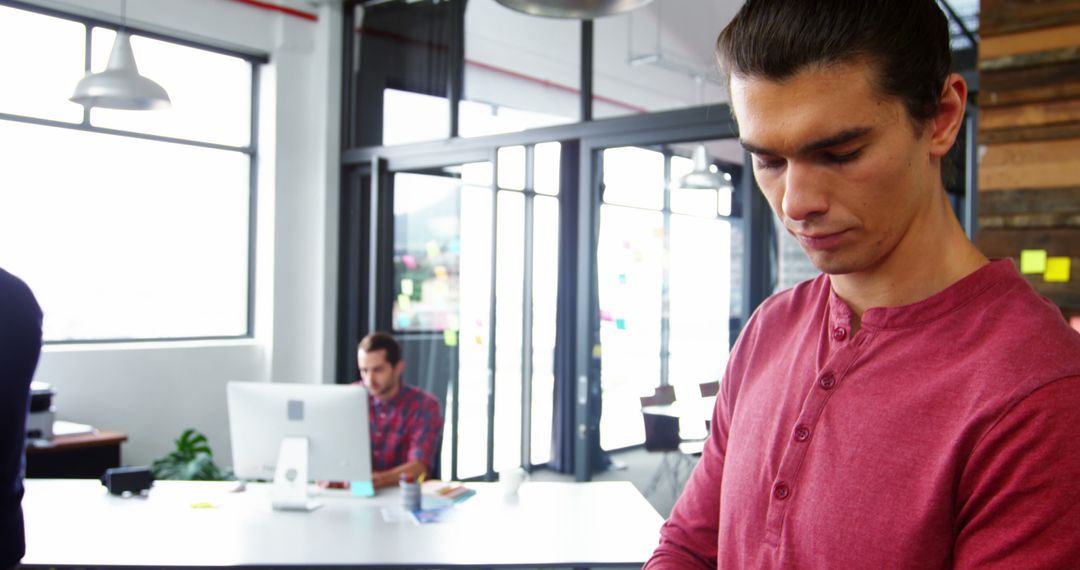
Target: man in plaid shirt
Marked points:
405	421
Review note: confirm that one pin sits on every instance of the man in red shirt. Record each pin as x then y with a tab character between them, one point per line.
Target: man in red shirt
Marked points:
406	423
914	406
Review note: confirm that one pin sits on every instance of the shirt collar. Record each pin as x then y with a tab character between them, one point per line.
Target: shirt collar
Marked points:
934	307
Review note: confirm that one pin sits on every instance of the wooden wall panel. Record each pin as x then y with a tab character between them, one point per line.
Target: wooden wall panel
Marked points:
1029	135
1038	164
998	17
1031	41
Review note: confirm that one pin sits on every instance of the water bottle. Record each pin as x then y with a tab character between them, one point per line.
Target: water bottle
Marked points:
410	494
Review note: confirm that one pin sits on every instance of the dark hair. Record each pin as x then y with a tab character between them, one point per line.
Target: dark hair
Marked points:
379	340
906	40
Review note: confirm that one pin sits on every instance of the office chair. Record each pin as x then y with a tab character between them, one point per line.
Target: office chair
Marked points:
662	436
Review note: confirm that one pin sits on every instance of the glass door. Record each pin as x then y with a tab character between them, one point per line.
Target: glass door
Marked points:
475	256
669	273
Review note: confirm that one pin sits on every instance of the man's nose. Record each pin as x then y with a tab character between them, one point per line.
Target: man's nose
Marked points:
805	192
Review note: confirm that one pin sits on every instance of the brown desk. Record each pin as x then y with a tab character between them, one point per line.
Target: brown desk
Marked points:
78	456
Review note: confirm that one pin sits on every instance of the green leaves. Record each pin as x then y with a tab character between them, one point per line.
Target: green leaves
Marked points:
192	460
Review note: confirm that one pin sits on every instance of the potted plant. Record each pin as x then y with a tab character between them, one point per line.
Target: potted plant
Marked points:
192	460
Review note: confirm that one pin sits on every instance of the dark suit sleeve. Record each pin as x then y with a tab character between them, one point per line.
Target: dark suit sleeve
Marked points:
20	347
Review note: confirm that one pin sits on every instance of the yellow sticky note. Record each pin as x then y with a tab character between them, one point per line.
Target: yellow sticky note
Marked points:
433	249
479	340
440	272
407	287
1057	269
404	302
597	351
450	337
1032	261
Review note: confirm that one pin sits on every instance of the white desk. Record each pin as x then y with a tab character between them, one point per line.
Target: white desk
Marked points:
77	523
696	409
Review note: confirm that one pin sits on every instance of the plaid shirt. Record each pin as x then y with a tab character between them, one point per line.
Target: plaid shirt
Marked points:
405	428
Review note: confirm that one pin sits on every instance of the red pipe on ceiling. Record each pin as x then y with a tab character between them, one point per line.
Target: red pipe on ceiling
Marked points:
278	8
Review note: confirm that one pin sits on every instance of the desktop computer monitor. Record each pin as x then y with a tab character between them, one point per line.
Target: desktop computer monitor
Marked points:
297	433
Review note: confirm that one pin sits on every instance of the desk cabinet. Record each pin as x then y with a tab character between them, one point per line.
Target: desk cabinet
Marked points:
81	456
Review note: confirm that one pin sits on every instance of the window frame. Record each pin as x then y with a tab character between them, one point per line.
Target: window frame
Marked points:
250	150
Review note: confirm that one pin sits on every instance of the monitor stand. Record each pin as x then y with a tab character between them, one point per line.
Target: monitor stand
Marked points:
290	490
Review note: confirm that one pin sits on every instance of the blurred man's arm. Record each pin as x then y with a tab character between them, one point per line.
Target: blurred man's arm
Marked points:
688	538
1019	496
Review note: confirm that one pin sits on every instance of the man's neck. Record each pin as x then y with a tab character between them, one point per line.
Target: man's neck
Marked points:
932	255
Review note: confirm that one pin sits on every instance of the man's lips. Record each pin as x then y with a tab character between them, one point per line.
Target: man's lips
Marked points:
821	240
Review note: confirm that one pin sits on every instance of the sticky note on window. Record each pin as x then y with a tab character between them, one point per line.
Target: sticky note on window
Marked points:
450	337
407	287
409	261
620	324
1057	269
404	302
1032	261
433	249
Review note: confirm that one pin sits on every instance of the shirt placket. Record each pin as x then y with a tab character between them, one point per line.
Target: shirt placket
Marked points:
821	386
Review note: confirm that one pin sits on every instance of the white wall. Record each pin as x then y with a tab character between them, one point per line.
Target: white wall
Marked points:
152	392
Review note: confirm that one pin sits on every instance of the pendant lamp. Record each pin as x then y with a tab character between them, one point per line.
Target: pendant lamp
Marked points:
120	86
701	178
580	9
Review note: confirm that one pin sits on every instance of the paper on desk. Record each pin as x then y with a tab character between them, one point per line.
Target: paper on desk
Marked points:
61	427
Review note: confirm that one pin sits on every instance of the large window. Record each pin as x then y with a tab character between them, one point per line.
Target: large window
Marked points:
128	225
667	264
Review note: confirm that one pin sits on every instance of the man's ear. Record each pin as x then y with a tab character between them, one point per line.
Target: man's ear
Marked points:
399	368
946	124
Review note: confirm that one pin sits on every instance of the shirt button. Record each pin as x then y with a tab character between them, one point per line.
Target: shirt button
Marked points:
781	491
839	333
827	382
802	433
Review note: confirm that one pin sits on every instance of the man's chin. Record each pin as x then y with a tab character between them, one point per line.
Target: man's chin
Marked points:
832	264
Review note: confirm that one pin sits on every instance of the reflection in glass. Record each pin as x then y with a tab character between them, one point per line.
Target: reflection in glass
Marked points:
411	117
210	92
512	168
634	177
131	238
45	57
427	249
699	301
700	268
630	258
545	295
476	299
508	336
525	70
482	119
546	168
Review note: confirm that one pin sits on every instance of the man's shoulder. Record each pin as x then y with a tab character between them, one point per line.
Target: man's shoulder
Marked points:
15	296
1017	324
805	297
416	394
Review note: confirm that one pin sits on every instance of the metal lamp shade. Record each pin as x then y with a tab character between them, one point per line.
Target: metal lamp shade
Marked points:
702	178
581	9
120	86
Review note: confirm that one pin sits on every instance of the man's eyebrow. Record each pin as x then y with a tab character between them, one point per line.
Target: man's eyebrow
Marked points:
831	140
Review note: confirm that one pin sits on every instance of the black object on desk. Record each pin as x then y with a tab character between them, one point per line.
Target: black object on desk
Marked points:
80	456
134	480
